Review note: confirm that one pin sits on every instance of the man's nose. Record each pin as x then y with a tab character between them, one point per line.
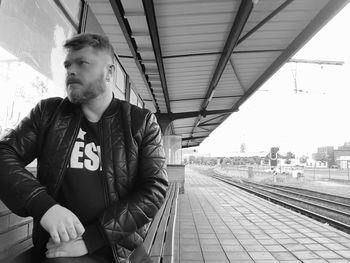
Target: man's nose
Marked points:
71	70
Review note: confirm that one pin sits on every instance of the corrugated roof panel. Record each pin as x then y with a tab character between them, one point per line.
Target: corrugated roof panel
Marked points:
138	23
187	93
196	18
222	103
131	68
195	38
183	15
183	122
149	105
196	134
228	84
264	44
183	130
178	8
182	106
250	66
191	48
177	64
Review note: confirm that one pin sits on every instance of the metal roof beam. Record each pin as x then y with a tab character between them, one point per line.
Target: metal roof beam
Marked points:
319	62
219	53
265	20
148	6
241	18
215	118
215	97
236	74
209	124
189	146
191	114
125	27
194	138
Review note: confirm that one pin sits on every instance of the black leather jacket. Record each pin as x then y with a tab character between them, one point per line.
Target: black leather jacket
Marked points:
132	157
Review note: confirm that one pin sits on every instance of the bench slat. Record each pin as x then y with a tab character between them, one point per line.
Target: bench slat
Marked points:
168	249
155	222
159	240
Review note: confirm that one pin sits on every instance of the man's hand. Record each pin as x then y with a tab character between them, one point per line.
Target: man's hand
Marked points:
61	224
73	248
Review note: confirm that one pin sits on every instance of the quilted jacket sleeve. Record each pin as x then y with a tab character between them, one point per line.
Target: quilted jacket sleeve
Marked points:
132	212
18	187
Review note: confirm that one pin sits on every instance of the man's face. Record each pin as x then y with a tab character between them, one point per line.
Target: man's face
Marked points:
87	71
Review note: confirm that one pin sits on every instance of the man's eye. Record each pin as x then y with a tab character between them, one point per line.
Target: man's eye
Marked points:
83	62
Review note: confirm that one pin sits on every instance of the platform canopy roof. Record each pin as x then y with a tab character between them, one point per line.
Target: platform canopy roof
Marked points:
195	62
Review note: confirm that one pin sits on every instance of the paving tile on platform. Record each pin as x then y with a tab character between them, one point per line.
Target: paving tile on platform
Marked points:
283	256
287	241
210	241
238	255
303	255
211	248
209	256
334	246
316	260
295	247
190	248
190	256
315	247
206	236
344	253
229	241
232	248
268	242
275	248
261	256
188	241
328	254
254	248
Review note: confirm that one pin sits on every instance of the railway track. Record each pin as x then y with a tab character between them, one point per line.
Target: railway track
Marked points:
330	209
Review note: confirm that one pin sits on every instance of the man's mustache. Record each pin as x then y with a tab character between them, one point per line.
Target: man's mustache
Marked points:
72	81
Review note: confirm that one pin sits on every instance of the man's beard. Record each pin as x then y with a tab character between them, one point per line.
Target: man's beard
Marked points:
84	94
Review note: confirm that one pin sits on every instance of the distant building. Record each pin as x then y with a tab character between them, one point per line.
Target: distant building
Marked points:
188	153
342	156
316	164
325	154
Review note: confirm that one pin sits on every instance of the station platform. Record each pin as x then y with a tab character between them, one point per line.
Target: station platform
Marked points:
220	223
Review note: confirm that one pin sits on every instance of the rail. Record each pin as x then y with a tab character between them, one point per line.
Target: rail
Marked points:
278	199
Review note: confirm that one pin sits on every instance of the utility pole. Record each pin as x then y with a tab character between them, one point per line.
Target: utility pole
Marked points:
311	61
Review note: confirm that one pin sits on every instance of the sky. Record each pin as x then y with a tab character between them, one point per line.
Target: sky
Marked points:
277	116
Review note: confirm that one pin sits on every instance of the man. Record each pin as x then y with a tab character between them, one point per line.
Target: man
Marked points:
101	166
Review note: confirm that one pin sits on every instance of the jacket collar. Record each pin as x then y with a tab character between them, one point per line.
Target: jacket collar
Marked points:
71	108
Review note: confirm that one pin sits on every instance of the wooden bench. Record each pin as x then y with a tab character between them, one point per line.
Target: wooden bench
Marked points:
159	241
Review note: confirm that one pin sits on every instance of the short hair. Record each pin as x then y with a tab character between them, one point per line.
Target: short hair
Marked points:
95	41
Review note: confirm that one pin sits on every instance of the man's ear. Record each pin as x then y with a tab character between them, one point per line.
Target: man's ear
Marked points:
110	72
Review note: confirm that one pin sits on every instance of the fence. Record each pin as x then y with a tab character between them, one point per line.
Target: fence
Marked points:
287	172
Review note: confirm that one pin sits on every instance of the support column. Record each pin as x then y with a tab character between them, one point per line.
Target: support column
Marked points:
164	123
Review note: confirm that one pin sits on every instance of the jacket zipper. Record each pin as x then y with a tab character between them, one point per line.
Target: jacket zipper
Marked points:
107	201
61	175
